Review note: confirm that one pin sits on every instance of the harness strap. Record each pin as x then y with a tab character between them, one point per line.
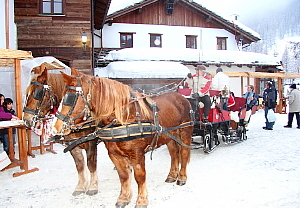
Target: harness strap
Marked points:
89	137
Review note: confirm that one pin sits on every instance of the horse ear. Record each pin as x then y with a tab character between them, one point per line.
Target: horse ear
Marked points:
43	76
75	72
67	79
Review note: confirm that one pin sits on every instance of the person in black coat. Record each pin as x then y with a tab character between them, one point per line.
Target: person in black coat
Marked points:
269	101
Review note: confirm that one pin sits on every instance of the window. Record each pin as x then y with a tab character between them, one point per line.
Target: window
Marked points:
126	40
191	41
52	7
155	40
221	43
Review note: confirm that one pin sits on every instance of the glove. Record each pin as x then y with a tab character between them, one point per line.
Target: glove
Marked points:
195	95
200	94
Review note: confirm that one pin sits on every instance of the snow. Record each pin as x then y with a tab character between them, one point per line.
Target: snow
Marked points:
149	69
193	55
262	171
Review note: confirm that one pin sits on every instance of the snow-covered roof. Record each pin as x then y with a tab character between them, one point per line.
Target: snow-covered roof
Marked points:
143	69
191	55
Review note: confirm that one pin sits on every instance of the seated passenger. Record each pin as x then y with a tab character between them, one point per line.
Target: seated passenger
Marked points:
250	97
231	101
220	80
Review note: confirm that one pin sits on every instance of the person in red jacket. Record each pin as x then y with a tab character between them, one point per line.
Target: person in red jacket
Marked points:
200	90
5	116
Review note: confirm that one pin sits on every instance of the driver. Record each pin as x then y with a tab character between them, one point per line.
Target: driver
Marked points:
201	83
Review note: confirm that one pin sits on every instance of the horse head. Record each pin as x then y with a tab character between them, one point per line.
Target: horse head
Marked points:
43	95
74	108
39	99
104	98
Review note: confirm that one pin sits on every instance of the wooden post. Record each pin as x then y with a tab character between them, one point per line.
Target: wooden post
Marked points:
18	88
242	85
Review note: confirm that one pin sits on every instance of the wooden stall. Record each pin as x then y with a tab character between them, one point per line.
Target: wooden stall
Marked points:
11	58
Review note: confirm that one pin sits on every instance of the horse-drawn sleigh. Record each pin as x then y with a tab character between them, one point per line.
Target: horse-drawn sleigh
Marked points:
130	124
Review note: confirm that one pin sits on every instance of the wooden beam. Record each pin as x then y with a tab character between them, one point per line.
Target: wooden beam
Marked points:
18	87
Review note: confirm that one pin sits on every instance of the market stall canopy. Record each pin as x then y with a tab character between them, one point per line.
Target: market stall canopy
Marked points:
30	66
7	56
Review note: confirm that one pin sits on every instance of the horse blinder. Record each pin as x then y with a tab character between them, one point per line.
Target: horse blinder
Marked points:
70	99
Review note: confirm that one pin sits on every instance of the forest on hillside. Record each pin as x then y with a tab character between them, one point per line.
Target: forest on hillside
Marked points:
280	34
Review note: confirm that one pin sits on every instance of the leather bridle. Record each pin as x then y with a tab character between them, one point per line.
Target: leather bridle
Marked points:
70	99
39	95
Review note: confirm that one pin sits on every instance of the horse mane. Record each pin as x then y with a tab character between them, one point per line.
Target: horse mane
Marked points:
113	97
57	84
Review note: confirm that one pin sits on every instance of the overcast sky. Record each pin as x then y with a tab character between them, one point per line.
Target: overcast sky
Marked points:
245	8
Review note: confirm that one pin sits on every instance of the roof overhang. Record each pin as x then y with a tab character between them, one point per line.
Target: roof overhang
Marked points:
100	11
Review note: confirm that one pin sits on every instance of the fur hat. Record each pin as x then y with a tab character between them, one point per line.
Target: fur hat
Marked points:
293	86
200	67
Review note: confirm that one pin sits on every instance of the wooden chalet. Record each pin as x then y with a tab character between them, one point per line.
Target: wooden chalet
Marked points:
55	28
177	13
230	35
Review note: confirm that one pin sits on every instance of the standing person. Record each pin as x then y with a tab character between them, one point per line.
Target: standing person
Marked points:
200	91
220	80
294	106
6	113
250	97
269	100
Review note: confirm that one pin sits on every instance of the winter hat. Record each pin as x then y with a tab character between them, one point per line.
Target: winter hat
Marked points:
200	67
219	70
293	86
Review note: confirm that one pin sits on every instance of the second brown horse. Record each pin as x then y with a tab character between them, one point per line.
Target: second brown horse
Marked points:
110	101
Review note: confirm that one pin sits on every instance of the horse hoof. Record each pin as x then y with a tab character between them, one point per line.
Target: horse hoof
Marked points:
170	180
121	204
76	193
140	206
92	192
181	183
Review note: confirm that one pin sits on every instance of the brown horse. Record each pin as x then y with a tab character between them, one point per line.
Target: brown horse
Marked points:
44	93
111	101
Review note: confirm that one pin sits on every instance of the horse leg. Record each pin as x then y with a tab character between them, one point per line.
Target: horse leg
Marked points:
140	178
91	154
174	153
80	166
123	167
185	153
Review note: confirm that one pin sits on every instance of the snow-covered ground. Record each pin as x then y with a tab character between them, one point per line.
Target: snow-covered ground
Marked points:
263	171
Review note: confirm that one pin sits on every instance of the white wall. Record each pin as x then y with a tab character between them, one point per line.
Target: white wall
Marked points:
172	36
12	26
7	77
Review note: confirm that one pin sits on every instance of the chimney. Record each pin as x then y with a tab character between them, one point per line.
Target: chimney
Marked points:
234	16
